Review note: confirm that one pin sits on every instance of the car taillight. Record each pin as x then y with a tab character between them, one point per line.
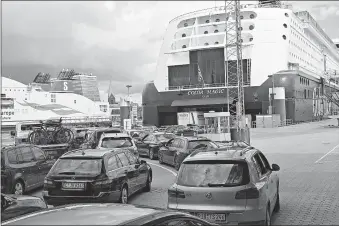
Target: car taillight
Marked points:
250	193
48	183
176	193
102	180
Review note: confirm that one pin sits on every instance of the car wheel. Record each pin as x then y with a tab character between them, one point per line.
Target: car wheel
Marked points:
277	203
160	158
18	188
176	163
268	216
124	195
148	183
151	154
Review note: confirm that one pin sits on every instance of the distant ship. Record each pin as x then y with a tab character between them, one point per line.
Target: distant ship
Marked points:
276	41
71	94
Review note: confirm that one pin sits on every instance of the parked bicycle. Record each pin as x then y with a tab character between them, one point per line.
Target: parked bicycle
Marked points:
50	132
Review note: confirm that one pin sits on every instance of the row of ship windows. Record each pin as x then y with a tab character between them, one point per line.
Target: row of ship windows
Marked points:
217	43
252	16
251	27
304	41
301	59
304	51
23	90
53	99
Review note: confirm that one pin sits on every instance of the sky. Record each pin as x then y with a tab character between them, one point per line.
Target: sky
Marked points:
118	41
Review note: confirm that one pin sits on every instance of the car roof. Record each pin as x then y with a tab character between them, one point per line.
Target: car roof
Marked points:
193	138
88	153
231	153
103	129
115	135
86	214
161	133
8	147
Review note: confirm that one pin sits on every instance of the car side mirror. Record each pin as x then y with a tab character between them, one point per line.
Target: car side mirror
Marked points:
142	162
275	167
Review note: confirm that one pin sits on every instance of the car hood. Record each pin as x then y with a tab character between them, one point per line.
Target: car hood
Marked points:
26	201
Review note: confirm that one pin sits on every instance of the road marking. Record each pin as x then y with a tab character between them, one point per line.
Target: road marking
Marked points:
174	173
327	153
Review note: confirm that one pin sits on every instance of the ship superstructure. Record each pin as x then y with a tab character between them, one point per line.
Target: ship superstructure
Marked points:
275	39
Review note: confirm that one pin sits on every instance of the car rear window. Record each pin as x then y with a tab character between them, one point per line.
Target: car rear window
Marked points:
207	173
165	137
116	142
77	166
194	144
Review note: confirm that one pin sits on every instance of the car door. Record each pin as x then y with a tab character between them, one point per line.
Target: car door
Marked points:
116	174
165	151
263	183
273	178
173	150
130	172
145	142
141	170
42	163
29	166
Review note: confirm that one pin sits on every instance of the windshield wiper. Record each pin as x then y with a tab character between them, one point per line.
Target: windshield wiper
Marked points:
67	173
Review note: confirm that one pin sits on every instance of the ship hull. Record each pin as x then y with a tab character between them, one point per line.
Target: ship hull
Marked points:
296	99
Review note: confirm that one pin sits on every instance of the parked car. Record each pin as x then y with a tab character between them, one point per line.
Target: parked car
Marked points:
107	175
177	149
93	135
117	140
151	143
137	135
108	214
181	130
17	205
23	168
233	186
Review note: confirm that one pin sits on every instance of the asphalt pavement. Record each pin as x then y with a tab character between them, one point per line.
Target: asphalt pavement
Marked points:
308	155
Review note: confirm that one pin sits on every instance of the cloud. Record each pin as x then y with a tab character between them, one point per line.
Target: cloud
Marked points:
115	40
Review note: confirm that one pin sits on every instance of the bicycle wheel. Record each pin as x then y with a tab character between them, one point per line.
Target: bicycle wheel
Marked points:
63	136
38	137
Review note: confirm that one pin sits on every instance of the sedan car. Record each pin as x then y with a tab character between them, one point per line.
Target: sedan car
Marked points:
108	214
177	149
107	175
17	205
227	186
151	143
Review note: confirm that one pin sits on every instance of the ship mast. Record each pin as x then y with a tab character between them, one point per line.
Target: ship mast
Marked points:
233	65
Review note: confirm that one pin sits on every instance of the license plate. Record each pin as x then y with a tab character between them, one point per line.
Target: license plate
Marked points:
71	185
212	217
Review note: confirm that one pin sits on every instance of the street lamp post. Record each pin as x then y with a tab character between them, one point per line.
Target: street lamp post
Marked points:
272	98
128	101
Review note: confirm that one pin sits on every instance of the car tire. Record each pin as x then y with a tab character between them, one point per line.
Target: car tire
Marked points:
268	216
124	195
148	183
277	203
18	188
151	153
176	163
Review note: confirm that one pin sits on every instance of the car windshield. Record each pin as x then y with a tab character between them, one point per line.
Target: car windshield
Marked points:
116	142
164	137
77	166
195	144
209	174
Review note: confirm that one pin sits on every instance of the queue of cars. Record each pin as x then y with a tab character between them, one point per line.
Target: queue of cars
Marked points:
222	183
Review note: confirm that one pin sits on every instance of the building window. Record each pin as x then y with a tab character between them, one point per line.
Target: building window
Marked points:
183	35
251	39
207	21
206	44
241	17
217	20
185	24
216	31
251	27
252	16
184	46
53	98
216	43
206	32
75	101
286	14
285	25
241	40
240	28
284	37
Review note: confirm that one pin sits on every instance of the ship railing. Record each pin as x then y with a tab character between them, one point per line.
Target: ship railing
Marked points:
215	85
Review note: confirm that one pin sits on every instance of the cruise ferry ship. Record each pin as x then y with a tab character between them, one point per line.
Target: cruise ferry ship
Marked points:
69	95
285	53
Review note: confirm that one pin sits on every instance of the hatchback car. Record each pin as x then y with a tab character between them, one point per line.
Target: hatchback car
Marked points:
93	135
23	168
107	175
227	186
108	214
177	149
117	140
151	143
